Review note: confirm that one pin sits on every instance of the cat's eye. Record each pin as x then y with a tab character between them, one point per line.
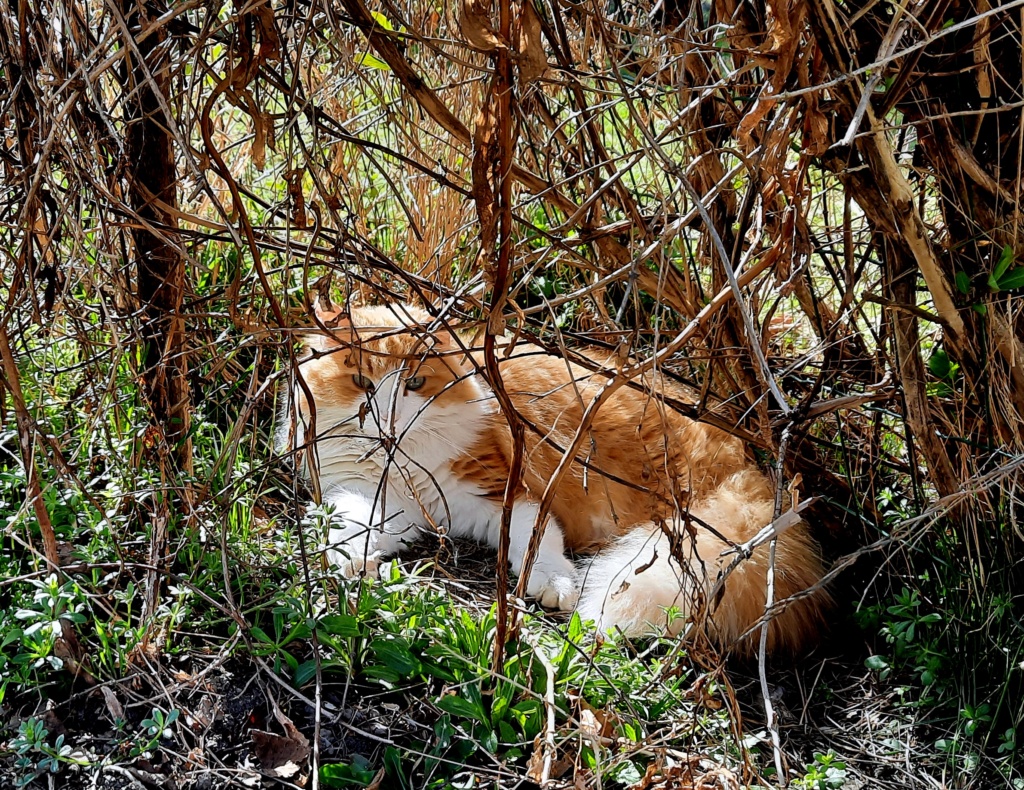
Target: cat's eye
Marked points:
415	382
362	382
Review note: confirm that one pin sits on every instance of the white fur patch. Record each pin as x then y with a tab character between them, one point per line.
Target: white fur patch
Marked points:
386	470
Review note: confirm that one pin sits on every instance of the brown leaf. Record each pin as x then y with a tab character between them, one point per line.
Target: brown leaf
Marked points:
533	60
285	755
258	148
485	154
53	722
270	42
595	722
701	693
279	755
69	650
377	783
816	137
535	767
113	705
475	21
717	779
298	199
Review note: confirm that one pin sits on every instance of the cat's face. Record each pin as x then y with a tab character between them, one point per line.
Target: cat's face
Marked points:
382	375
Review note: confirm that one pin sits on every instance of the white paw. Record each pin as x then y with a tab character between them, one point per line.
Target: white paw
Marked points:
554	587
353	561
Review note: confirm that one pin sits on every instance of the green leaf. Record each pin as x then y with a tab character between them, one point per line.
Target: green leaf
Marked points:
379	672
489	740
876	663
304	673
508	735
980	309
435	670
457	706
371	62
1005	259
342	775
939	364
1012	279
393	764
381	20
963	283
628	773
340	625
395	653
528	714
575	630
503	694
261	635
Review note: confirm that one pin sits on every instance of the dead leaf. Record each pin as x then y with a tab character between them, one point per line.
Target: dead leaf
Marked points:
717	779
485	154
113	706
203	715
298	199
53	722
69	650
258	148
279	755
816	136
778	55
535	768
475	21
65	552
533	60
270	42
283	756
701	694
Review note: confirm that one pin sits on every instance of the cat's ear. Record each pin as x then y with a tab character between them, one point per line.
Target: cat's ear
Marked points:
330	315
331	328
318	341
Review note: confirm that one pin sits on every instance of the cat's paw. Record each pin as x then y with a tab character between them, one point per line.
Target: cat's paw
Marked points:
355	566
554	585
353	558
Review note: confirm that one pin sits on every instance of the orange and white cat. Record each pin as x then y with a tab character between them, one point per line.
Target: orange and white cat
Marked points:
407	436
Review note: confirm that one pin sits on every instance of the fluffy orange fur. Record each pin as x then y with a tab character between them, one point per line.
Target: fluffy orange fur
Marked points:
643	486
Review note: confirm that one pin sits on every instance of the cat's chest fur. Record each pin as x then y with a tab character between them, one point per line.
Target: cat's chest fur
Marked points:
442	475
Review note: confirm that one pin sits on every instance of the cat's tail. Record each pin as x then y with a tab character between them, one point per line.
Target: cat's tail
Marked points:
639	585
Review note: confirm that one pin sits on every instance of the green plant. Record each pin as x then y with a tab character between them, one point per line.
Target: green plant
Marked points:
288	624
44	617
975	717
827	772
154	728
35	756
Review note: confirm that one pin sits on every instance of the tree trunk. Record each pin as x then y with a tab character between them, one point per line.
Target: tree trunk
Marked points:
159	264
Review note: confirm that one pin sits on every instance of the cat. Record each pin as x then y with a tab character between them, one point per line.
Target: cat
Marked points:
406	435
